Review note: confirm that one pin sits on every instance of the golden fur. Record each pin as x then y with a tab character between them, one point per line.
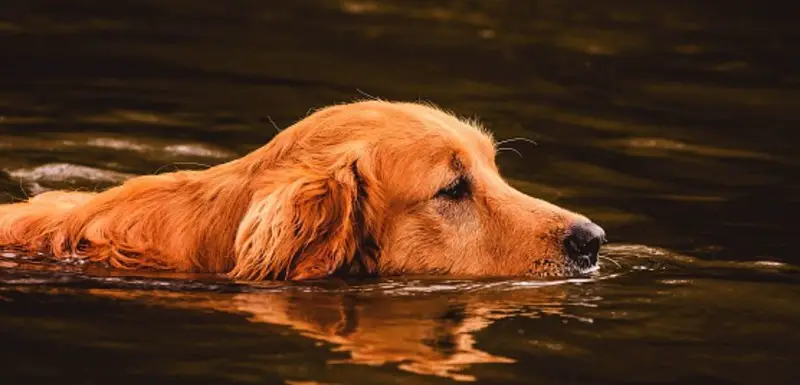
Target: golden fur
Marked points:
349	190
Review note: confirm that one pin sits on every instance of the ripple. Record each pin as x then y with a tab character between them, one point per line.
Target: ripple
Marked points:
661	147
137	117
119	144
67	173
629	258
153	148
634	257
196	150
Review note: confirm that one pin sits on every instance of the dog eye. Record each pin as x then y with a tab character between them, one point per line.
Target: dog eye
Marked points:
459	189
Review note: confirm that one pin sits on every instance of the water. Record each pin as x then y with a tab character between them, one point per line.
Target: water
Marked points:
669	123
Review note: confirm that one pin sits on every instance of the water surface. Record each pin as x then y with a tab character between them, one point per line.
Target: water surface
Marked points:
669	123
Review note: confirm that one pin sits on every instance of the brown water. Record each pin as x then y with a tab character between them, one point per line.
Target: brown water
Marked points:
668	122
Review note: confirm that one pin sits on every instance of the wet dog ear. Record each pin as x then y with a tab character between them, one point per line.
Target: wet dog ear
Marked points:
306	228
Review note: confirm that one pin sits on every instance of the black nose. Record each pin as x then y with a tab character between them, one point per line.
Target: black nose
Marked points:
583	243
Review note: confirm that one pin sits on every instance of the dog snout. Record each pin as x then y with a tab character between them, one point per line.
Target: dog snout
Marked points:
582	243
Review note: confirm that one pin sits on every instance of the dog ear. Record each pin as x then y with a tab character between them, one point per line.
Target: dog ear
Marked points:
306	228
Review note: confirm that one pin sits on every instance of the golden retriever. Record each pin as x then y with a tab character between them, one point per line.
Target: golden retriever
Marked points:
369	188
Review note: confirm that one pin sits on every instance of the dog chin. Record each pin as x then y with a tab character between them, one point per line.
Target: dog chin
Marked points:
575	269
563	270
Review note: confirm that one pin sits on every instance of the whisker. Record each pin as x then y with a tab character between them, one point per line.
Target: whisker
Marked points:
366	94
518	139
181	164
14	198
192	164
603	257
269	118
158	170
22	188
514	150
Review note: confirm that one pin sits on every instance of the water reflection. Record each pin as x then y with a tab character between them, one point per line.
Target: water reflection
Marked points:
456	329
424	333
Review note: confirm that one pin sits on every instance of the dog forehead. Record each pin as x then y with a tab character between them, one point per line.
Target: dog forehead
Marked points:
398	122
443	129
409	135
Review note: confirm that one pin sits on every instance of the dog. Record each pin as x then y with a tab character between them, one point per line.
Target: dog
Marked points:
370	188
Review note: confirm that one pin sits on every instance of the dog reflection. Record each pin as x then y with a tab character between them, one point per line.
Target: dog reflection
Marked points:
428	334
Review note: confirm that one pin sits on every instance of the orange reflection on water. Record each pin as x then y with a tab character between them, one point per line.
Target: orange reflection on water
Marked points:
426	334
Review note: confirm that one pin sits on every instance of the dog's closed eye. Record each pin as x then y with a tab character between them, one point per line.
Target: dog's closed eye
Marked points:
456	190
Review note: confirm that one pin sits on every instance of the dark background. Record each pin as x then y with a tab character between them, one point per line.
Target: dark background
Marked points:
671	123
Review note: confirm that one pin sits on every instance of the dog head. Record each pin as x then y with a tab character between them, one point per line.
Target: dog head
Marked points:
384	188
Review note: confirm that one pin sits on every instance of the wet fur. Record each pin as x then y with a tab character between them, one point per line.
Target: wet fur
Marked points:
309	204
